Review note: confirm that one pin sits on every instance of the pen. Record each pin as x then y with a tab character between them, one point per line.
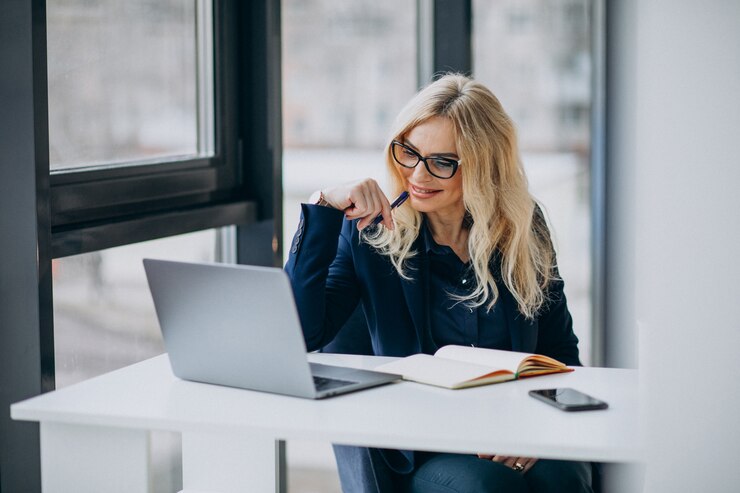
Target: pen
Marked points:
400	200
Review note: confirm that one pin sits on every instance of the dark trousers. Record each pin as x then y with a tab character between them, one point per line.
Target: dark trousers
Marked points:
455	473
364	470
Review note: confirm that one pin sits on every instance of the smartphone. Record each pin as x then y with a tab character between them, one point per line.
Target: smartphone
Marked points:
567	399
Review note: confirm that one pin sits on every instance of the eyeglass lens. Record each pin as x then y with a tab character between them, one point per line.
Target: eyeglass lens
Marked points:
407	157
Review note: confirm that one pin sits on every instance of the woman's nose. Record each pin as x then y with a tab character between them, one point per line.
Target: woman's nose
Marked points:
421	173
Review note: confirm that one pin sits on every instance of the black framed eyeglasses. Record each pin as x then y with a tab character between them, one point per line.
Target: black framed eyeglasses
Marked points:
441	167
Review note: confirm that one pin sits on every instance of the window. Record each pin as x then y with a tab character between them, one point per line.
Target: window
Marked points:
542	75
123	82
104	318
138	123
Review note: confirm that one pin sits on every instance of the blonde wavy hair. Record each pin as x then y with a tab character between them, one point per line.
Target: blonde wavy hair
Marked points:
506	221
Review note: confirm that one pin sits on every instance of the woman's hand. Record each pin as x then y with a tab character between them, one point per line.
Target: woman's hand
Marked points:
519	464
362	200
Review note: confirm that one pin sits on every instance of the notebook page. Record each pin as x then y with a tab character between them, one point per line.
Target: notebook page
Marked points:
435	371
492	358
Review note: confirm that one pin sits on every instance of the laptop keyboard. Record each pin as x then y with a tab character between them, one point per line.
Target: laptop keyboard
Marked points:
322	383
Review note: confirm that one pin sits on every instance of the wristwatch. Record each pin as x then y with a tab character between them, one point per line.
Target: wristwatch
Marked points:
318	199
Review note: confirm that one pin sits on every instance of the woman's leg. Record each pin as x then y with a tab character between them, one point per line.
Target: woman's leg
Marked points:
555	476
455	473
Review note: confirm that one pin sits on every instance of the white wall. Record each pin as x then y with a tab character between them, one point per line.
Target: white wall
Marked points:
681	112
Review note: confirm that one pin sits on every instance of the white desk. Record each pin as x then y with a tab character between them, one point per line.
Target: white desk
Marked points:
94	435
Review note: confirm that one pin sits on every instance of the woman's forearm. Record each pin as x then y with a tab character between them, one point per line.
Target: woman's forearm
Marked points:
322	276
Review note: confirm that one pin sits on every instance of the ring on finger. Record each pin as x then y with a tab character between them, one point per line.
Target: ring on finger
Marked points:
518	466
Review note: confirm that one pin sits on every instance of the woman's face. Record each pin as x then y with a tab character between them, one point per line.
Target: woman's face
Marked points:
433	138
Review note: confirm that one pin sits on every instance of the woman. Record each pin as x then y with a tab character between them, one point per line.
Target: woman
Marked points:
466	260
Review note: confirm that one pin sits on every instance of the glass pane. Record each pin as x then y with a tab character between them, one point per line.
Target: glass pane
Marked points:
104	319
535	56
122	81
348	68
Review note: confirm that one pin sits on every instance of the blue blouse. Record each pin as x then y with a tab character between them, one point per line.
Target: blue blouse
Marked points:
453	322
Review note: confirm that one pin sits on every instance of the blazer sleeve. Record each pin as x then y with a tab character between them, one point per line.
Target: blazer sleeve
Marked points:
555	336
322	274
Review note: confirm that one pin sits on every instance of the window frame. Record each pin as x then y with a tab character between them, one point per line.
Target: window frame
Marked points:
97	207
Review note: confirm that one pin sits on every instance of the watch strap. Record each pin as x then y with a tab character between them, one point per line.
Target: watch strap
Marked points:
318	199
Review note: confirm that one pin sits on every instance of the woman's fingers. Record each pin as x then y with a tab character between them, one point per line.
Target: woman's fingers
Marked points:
363	200
528	465
378	205
505	460
342	197
385	209
372	208
519	464
358	204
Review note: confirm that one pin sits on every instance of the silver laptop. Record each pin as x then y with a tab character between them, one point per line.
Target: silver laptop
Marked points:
238	326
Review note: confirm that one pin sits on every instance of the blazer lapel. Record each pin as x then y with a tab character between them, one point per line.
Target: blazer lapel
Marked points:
416	292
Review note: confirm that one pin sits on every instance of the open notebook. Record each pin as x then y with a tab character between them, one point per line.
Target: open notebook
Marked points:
457	367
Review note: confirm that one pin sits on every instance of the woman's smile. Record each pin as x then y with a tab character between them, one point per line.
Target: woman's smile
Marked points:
421	192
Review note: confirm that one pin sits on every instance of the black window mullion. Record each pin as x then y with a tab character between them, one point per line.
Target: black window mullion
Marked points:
444	38
453	36
134	229
26	315
82	202
257	32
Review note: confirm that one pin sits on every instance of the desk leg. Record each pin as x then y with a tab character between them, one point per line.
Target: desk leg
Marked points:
227	463
93	459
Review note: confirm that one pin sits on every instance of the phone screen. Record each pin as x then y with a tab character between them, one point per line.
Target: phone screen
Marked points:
568	399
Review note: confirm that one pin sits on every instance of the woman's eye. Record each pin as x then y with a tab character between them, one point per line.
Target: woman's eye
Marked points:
409	153
443	163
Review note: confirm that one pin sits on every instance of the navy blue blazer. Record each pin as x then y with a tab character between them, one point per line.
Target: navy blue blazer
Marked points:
332	270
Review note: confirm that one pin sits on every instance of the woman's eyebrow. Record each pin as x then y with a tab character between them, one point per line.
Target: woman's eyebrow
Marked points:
435	154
